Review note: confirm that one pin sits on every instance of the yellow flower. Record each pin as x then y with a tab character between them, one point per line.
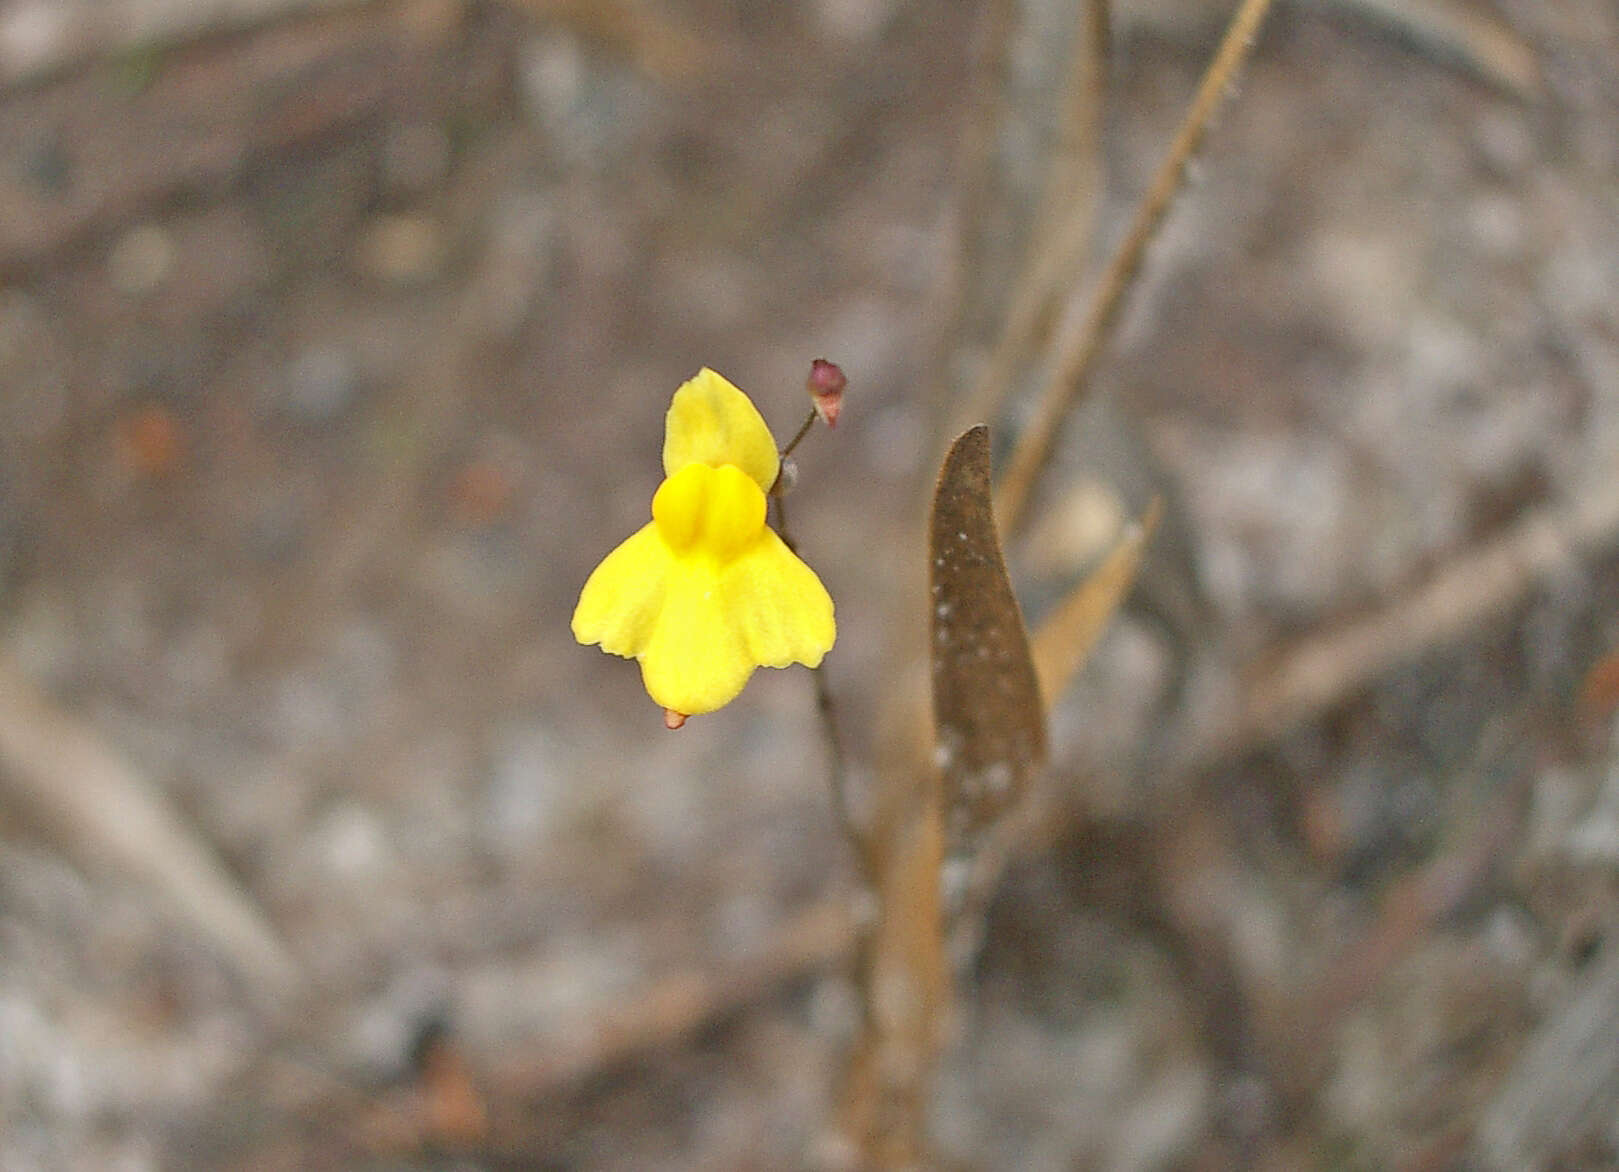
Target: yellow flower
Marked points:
706	591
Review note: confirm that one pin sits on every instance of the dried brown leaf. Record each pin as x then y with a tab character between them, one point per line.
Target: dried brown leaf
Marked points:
1066	636
989	723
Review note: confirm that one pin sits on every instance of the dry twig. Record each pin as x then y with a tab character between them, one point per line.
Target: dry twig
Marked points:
1063	227
1562	1090
1473	40
1474	586
819	937
1065	637
973	169
60	775
206	118
82	31
1078	351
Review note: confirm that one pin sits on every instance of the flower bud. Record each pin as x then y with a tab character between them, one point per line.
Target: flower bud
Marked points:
825	385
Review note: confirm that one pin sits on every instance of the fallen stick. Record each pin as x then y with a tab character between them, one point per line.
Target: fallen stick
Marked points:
60	776
104	157
42	41
1475	586
677	1005
1560	1094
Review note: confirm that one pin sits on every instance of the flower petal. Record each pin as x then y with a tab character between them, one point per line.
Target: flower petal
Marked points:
711	422
778	605
621	601
697	659
718	511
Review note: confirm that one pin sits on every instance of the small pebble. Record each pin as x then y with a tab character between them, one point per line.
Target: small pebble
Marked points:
150	442
552	77
407	250
33	35
1496	223
321	383
589	108
352	840
141	260
856	23
529	790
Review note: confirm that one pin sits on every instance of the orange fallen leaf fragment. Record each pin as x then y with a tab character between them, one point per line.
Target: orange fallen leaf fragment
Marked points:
150	442
456	1113
1599	695
482	492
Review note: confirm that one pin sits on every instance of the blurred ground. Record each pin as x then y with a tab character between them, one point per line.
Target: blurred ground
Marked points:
334	349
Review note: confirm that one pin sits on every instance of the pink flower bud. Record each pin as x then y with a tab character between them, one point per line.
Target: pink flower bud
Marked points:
825	385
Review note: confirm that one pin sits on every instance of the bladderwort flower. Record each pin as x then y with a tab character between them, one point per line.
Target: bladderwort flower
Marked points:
706	591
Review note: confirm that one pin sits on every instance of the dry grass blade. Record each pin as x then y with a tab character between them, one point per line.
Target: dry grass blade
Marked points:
905	987
1064	227
59	775
1078	351
1472	587
989	722
1474	40
81	32
1561	1092
974	174
1063	641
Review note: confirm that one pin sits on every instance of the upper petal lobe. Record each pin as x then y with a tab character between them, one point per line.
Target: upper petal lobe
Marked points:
711	422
